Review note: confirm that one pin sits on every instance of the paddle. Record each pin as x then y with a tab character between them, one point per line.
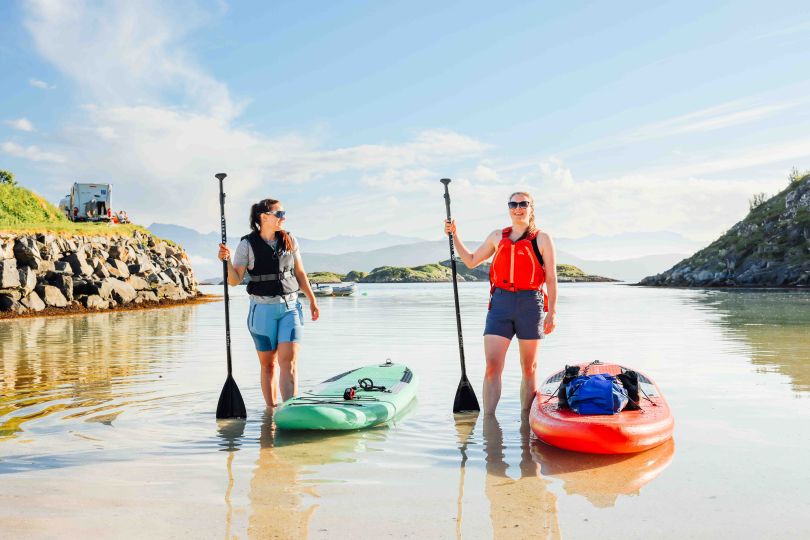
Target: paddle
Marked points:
231	404
465	395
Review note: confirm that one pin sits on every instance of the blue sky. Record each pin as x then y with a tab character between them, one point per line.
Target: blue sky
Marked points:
618	117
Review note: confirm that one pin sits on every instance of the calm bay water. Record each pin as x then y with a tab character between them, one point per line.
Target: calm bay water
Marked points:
107	424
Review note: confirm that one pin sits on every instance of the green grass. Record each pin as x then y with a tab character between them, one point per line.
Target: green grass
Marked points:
325	277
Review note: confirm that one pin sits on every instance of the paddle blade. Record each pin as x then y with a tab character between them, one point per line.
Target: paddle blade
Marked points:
231	404
465	398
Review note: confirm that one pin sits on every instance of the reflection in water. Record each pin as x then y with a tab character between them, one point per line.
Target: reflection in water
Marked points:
277	493
465	424
287	472
90	364
776	324
522	507
601	478
231	432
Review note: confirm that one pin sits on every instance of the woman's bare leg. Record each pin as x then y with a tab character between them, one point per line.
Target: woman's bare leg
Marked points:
269	376
495	348
287	361
528	364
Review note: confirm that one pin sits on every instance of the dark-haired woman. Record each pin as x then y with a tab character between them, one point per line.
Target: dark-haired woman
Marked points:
524	260
271	257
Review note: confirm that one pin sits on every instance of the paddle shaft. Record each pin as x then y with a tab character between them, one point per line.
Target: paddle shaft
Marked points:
446	181
225	273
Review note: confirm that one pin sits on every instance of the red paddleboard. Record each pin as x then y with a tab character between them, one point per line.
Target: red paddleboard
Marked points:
622	433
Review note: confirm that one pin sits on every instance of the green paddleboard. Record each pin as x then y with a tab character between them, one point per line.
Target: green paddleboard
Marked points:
380	392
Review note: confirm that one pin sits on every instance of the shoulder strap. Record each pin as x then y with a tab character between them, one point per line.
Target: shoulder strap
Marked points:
537	251
506	232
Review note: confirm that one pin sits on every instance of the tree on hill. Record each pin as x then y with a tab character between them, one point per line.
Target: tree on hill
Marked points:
7	177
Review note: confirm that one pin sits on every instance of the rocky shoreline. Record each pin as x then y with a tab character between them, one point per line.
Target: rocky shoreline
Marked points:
769	248
52	273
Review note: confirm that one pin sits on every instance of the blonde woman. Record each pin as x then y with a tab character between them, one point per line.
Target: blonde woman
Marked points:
524	261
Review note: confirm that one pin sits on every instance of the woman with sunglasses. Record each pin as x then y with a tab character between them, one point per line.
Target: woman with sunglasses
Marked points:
524	260
271	258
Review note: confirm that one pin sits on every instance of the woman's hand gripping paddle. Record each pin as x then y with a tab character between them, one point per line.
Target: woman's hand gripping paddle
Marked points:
465	396
231	404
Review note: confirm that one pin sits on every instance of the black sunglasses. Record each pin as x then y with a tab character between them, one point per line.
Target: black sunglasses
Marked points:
522	204
278	213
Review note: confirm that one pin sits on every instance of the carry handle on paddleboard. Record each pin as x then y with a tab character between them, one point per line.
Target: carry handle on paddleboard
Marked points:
465	396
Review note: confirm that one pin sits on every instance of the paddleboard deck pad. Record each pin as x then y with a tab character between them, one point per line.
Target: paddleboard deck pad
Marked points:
622	433
359	398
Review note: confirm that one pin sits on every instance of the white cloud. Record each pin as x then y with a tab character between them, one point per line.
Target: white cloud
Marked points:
126	52
36	83
33	153
695	206
22	124
718	117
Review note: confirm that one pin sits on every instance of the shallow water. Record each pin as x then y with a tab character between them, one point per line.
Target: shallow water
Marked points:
107	424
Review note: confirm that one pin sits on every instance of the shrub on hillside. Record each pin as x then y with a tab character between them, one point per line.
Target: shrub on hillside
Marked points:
7	177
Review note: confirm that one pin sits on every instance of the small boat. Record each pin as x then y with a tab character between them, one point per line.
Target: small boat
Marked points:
625	432
322	290
344	289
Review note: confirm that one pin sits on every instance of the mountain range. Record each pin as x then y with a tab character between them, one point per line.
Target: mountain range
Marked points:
345	253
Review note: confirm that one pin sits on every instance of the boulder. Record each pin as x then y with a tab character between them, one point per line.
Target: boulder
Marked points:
100	269
121	252
25	252
9	304
52	296
50	250
173	275
28	279
14	294
62	267
9	274
6	248
63	282
138	283
121	291
94	301
79	265
146	296
170	291
119	267
33	302
160	249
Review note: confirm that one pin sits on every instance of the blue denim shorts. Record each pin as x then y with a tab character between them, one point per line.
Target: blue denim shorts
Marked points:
271	324
516	313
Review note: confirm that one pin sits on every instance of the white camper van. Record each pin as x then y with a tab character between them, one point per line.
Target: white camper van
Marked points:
87	202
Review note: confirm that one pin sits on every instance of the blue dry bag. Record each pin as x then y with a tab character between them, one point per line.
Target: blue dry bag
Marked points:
596	394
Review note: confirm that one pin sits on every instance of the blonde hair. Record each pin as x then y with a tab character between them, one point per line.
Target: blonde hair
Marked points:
532	227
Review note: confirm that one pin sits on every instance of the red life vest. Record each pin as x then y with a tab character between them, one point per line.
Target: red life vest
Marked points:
516	267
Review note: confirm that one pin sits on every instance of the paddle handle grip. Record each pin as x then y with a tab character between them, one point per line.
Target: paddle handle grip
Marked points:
446	181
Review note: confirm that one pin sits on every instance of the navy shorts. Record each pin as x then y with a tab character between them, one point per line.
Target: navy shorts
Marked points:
516	313
271	324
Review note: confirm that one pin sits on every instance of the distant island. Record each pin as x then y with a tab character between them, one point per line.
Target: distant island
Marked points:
769	248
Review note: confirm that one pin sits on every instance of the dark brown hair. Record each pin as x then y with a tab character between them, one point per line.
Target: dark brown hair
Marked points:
532	227
265	205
